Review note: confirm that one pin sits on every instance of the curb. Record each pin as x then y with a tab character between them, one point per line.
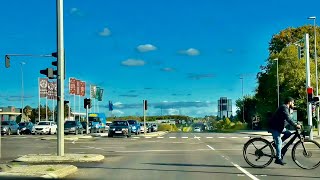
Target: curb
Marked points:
50	158
160	133
43	171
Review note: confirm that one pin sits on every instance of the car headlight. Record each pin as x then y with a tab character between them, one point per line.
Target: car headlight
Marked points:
73	128
24	128
4	129
113	129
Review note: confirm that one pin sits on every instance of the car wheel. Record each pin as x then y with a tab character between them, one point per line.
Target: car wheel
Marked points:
9	132
76	132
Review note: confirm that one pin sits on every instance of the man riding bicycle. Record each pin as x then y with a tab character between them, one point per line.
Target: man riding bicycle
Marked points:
277	127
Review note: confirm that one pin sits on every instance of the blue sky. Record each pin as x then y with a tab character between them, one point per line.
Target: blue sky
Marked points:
180	55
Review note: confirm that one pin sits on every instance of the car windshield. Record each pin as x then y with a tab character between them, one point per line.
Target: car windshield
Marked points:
131	122
23	124
44	123
70	123
4	123
119	123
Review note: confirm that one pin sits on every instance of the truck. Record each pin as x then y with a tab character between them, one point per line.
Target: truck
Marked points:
97	122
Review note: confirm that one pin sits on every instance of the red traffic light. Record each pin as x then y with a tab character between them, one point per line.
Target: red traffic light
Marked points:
310	90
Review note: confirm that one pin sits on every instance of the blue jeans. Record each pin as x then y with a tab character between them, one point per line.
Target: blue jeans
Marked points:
278	140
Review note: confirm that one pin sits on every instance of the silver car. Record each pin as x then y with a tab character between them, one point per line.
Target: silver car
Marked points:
9	127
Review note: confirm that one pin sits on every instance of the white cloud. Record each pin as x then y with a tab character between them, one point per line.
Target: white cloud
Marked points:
146	48
118	104
172	111
190	52
168	69
133	62
117	112
76	11
106	32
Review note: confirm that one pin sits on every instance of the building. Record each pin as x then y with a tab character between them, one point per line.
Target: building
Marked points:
224	107
9	113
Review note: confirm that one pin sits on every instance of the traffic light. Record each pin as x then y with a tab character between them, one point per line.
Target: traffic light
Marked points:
87	101
145	104
300	52
49	72
310	94
55	63
7	61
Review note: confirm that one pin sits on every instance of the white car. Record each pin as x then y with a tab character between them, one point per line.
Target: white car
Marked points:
46	127
197	129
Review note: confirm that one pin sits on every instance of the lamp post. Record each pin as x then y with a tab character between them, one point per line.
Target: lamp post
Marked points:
243	99
22	88
316	63
278	93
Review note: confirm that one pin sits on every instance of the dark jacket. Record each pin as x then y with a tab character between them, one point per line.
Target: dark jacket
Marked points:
277	121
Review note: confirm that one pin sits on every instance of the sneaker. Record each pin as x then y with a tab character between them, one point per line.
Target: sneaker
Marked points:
279	161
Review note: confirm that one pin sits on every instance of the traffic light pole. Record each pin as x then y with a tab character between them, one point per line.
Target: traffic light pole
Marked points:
308	83
144	118
60	78
87	120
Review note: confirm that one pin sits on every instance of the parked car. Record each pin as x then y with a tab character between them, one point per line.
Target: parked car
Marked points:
84	125
154	127
46	127
27	128
9	127
119	127
197	129
149	127
134	126
142	127
73	127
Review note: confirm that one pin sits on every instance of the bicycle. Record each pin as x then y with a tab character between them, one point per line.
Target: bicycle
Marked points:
264	153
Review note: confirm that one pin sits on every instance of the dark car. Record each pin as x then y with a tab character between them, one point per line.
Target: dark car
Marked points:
135	126
84	125
73	127
119	128
9	127
27	128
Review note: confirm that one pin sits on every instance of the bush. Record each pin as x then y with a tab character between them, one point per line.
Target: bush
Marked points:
168	127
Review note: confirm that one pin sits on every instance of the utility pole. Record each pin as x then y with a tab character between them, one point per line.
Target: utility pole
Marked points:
60	78
308	83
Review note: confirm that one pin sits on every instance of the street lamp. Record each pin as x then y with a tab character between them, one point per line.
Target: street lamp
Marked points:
276	59
316	62
22	88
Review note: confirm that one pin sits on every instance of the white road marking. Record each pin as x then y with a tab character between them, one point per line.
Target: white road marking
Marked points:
147	137
244	171
184	137
172	137
209	137
136	137
210	147
221	137
234	137
246	137
162	150
160	137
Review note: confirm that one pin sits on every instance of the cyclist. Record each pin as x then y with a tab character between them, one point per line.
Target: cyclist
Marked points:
277	127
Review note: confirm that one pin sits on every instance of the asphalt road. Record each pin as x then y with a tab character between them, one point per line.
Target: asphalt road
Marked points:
173	156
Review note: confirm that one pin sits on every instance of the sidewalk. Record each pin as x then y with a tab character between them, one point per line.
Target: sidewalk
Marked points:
47	169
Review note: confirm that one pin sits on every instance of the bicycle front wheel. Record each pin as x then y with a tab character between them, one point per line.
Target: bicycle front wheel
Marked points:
258	152
306	154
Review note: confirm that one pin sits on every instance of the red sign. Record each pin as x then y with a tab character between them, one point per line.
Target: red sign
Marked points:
78	87
72	86
82	88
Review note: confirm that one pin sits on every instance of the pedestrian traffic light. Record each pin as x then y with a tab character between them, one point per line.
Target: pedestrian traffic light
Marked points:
300	52
49	72
310	94
87	102
7	61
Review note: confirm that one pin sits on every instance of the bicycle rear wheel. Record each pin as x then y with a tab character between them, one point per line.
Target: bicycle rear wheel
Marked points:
307	154
258	152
